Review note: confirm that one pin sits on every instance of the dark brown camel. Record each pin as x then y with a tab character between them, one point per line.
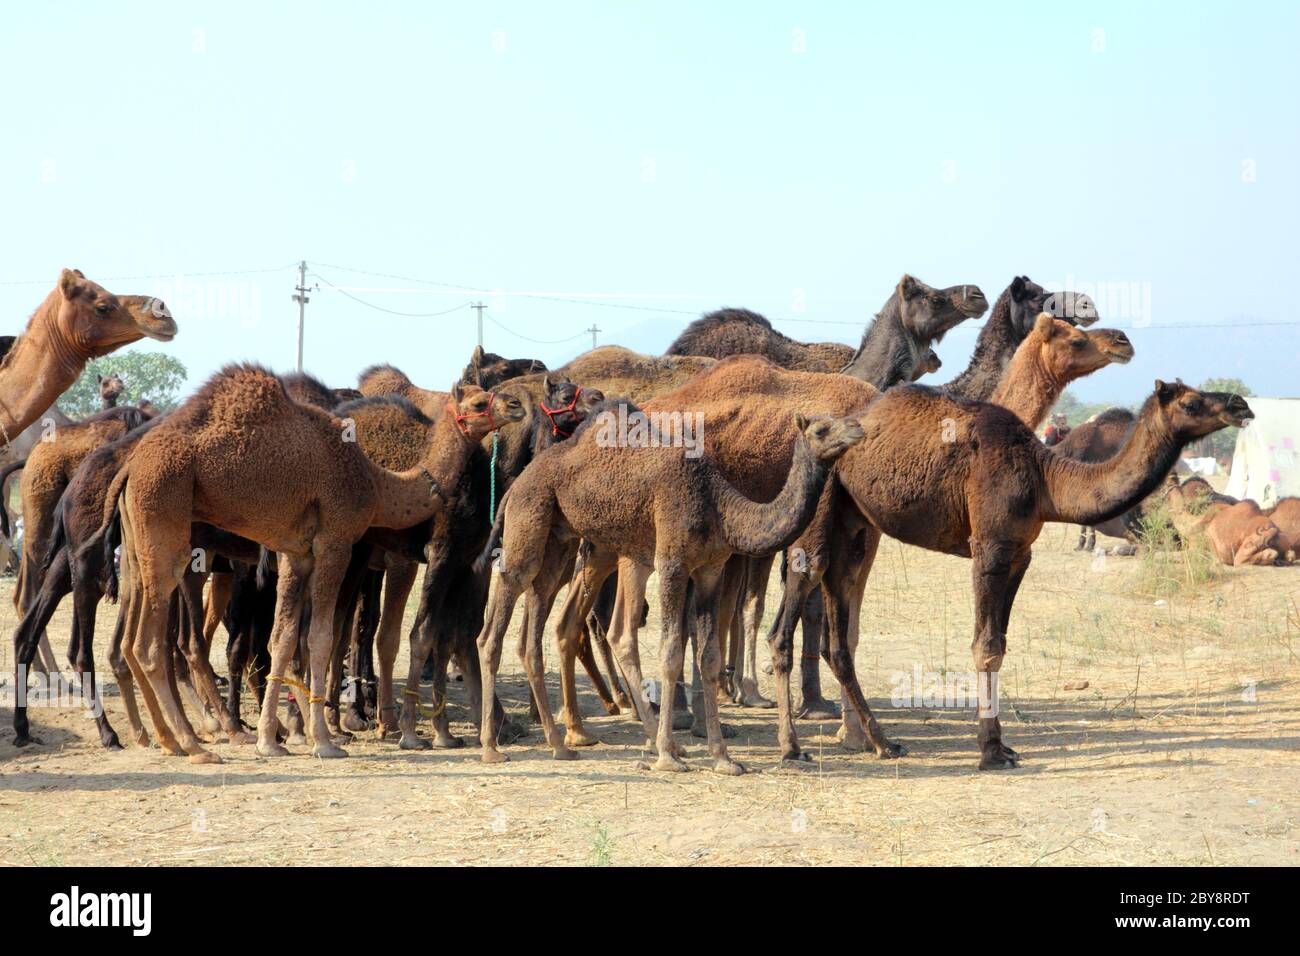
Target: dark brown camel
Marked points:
728	332
488	370
221	459
79	320
110	387
912	319
1096	440
982	487
660	509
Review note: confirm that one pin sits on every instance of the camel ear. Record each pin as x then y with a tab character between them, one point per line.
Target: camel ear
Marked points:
1045	325
908	287
99	379
457	393
1165	392
546	385
1018	287
477	357
800	421
70	282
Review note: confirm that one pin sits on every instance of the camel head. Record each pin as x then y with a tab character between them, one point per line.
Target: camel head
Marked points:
1028	299
830	437
928	312
478	412
930	363
1194	414
567	405
1075	307
110	386
488	370
95	321
1070	353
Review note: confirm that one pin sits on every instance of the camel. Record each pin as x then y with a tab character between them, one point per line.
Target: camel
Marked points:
927	366
1237	533
615	370
658	509
79	320
729	332
488	370
1286	516
1011	319
752	450
242	455
110	387
915	316
924	475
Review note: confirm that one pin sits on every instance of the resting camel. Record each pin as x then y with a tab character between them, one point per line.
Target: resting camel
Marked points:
79	320
1237	532
242	455
661	510
922	476
1286	515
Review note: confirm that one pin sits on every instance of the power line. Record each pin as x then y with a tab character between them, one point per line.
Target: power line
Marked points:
168	275
506	328
380	308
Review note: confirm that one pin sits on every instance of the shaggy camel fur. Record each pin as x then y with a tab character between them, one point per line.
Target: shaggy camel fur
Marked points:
1236	532
488	370
1013	316
659	510
222	458
615	370
911	320
728	332
928	484
79	320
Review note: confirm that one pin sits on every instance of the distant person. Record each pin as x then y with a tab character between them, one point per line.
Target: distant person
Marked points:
1056	431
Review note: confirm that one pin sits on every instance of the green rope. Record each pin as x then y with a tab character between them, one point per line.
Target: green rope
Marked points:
492	484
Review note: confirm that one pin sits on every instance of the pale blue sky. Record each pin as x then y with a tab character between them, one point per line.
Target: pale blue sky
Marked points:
789	157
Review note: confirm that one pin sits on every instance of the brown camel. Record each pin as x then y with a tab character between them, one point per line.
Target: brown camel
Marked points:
728	332
615	370
913	318
618	485
968	478
110	387
79	320
1237	533
242	455
488	370
1286	515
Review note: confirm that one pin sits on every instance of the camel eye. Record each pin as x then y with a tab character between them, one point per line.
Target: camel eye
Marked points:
1076	343
102	308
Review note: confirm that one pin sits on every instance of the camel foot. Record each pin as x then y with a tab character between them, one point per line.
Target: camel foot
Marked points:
271	749
297	739
354	722
510	732
853	742
819	709
998	758
413	742
24	740
492	755
669	764
170	749
211	725
728	731
890	751
580	738
111	742
204	756
611	708
242	737
728	767
564	753
141	739
750	697
448	742
794	755
624	703
328	750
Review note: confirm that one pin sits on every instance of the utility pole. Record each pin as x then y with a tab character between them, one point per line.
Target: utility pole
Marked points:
593	330
479	307
302	300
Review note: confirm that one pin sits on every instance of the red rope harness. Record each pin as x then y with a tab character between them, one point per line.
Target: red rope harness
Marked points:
556	430
486	413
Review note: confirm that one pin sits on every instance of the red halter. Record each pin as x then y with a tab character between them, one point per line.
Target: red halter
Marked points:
486	413
556	430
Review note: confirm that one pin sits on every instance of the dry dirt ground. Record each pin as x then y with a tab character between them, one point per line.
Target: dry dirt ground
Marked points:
1182	749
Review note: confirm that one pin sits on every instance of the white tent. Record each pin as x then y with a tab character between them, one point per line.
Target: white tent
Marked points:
1266	461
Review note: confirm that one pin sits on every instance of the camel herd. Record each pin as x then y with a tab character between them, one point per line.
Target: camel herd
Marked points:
298	515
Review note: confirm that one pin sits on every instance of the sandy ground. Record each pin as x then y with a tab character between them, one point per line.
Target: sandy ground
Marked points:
1182	749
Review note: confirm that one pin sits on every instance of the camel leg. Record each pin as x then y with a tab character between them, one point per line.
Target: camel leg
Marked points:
331	562
540	598
708	663
845	579
586	654
362	650
584	589
122	672
290	593
195	648
625	621
490	639
673	594
781	649
56	583
398	581
598	625
997	567
757	573
424	638
726	621
219	592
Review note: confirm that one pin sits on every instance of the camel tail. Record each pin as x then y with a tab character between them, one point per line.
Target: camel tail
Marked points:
109	533
263	573
58	538
5	472
484	560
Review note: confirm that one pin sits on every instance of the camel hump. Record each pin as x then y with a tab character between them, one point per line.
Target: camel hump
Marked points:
382	378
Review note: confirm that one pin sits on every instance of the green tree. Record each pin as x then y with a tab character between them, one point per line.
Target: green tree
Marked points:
147	375
1222	443
1075	411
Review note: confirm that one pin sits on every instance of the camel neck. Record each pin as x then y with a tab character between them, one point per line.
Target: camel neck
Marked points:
42	363
407	498
1029	389
1090	493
